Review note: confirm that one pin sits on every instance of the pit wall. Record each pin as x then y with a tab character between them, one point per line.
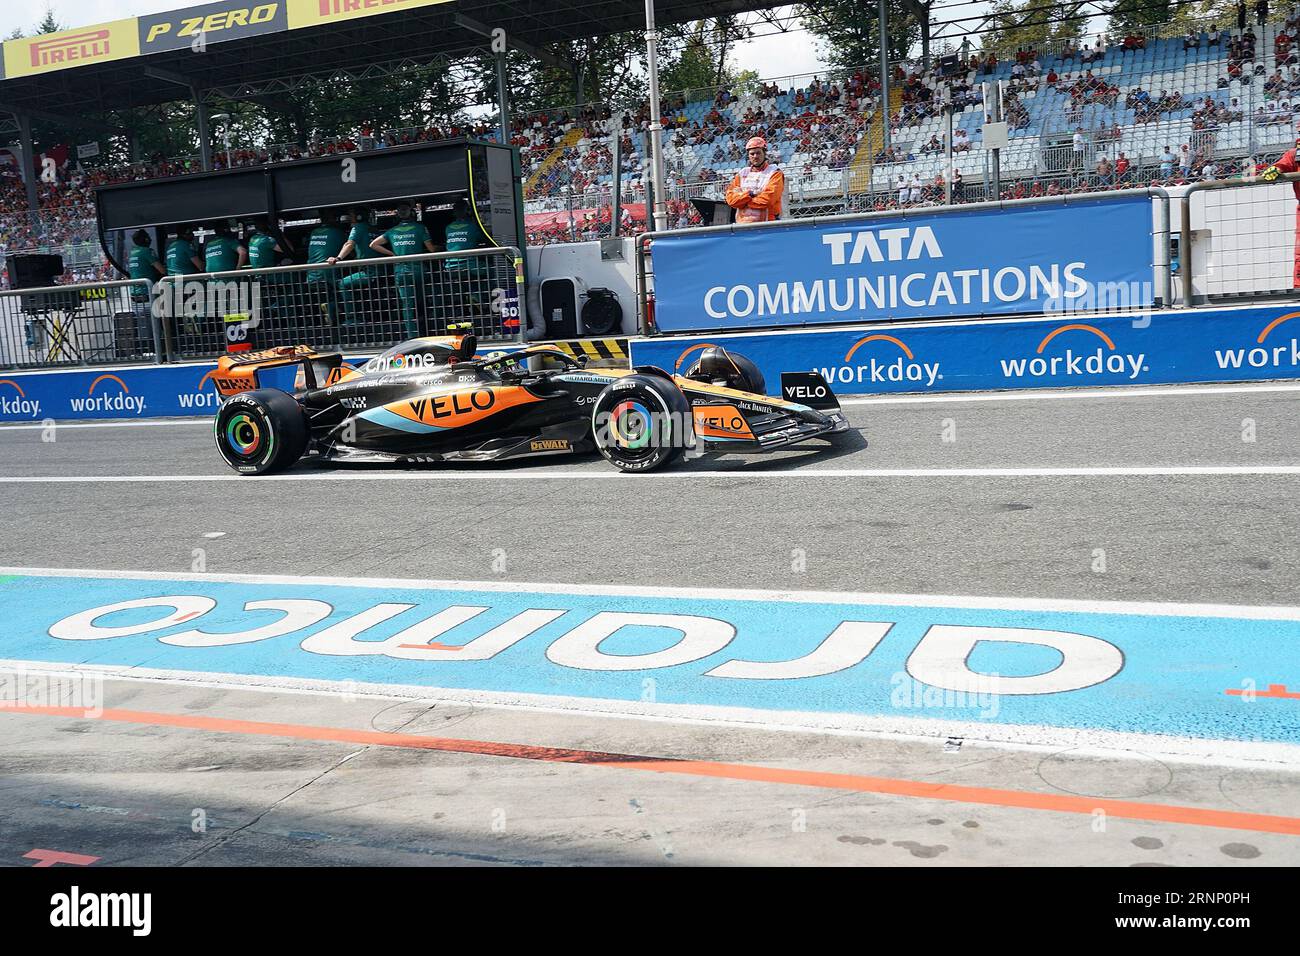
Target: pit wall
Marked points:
1201	345
1254	343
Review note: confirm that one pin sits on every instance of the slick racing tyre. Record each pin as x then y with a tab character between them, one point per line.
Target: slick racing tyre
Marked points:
260	432
641	422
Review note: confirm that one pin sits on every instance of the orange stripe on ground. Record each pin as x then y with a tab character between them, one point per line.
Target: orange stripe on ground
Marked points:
986	796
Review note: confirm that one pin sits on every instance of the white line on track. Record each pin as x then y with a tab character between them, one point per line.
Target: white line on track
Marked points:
1028	395
152	422
1119	471
1261	612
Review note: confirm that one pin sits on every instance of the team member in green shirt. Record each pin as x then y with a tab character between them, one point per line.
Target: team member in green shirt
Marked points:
142	263
265	252
357	245
407	238
182	259
463	232
465	296
264	249
323	244
223	252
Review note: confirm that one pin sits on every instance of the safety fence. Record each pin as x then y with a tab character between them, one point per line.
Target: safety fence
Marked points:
1241	240
81	324
341	306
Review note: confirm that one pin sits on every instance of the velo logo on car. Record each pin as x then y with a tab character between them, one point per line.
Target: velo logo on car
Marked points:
1066	361
108	399
20	406
1282	353
721	422
871	367
454	410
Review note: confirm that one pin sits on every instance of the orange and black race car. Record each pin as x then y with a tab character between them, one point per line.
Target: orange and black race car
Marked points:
433	400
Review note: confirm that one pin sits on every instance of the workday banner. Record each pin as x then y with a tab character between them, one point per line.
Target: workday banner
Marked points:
1199	345
1063	257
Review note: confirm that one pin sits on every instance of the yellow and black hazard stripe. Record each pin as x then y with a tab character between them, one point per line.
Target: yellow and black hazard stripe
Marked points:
593	349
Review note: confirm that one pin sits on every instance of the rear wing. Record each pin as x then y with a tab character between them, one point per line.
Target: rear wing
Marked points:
241	372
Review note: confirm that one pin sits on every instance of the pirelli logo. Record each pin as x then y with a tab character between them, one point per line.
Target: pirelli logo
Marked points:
71	48
306	13
66	49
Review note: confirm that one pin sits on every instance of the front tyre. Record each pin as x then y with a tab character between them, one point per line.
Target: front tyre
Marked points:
641	422
261	431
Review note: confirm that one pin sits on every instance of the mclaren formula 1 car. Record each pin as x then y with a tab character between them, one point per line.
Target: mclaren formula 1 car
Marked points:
432	400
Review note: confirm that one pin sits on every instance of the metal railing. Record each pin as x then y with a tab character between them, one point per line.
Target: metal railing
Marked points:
1238	240
357	306
85	324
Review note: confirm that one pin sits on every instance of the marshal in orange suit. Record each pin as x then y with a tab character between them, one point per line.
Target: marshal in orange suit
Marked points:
755	192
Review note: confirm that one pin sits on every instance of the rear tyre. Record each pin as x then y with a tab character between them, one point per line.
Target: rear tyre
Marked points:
641	422
261	431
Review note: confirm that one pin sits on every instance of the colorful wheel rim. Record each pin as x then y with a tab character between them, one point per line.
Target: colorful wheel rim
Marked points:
244	435
630	425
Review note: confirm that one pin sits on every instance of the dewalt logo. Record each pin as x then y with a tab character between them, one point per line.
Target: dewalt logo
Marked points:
549	444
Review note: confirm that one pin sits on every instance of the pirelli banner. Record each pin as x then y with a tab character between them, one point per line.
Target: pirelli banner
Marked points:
83	46
189	28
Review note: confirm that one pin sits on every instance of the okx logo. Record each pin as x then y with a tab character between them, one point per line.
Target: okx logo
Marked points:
1282	352
14	402
108	393
1076	356
890	362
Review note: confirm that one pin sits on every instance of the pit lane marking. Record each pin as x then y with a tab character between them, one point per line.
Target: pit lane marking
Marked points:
496	475
922	789
843	694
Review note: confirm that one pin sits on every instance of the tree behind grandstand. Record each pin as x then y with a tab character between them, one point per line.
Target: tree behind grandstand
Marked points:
1030	24
849	32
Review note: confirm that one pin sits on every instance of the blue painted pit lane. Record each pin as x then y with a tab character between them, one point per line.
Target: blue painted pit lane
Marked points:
1204	673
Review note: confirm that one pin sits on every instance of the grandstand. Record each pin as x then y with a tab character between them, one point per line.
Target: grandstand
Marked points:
1151	108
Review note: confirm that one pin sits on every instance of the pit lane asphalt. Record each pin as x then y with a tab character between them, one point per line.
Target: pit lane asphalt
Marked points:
736	521
132	793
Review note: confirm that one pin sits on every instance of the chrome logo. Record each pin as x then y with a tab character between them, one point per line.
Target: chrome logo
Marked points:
243	435
630	424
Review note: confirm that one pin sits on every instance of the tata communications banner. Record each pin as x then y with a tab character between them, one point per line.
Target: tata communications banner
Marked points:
1210	345
977	262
